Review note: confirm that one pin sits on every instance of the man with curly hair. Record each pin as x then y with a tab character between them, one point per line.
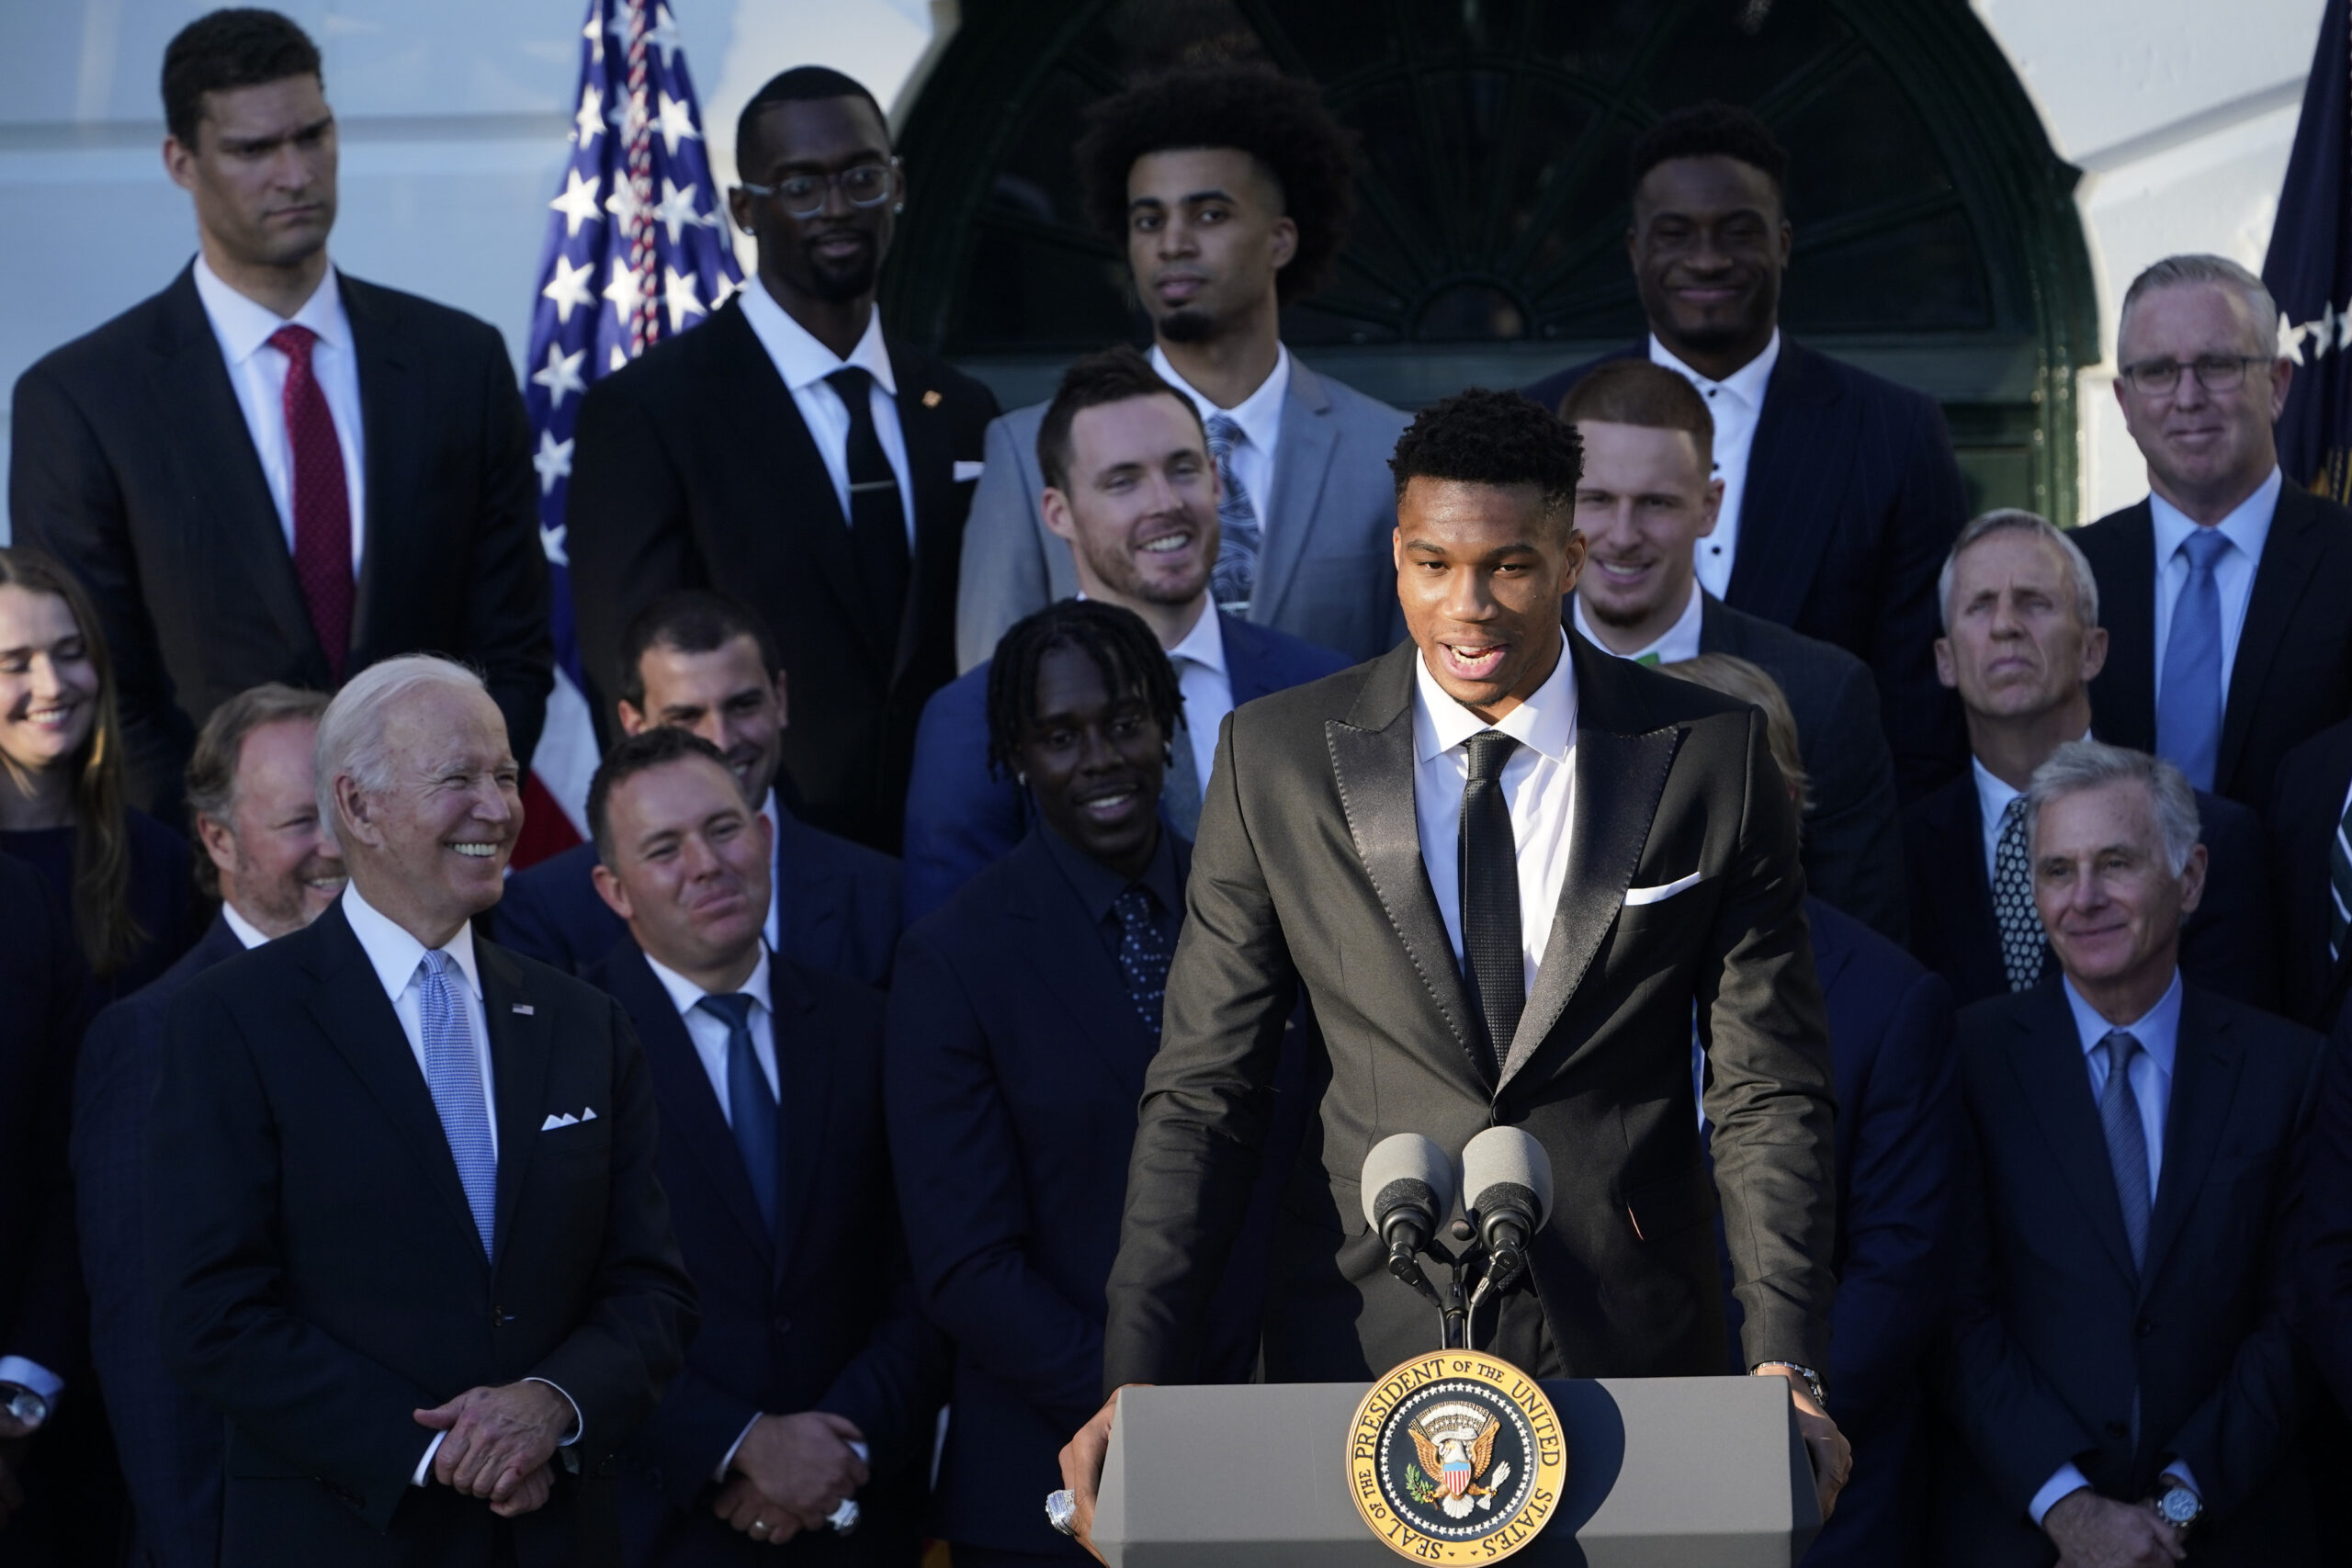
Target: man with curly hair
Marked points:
1508	871
1230	186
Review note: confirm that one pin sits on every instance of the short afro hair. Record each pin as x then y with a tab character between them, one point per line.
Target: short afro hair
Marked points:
244	47
1279	121
1492	438
1710	131
802	83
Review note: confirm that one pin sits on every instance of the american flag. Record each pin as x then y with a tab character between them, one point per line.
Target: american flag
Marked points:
637	250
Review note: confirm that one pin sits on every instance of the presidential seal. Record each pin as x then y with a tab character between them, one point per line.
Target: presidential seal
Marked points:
1456	1457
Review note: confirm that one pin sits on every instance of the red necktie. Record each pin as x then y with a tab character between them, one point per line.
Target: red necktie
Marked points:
321	499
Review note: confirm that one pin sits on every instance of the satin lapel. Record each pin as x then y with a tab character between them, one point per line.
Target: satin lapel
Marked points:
2123	698
938	526
804	1071
1372	758
1797	441
519	1054
1977	934
690	1114
233	520
393	413
2289	561
358	1020
1302	459
1066	962
2205	1072
2047	1057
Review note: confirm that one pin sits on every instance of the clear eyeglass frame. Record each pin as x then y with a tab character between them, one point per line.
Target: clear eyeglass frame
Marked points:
805	196
2214	372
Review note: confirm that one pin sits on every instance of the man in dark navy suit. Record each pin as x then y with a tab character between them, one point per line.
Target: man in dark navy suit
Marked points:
701	661
2310	867
1129	485
814	1377
1840	490
274	867
2022	637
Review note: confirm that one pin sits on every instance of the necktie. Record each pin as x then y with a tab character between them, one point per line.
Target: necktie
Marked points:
1180	795
322	500
2339	885
1235	575
751	1104
1492	949
877	516
1144	955
2022	944
453	1073
2127	1141
2189	698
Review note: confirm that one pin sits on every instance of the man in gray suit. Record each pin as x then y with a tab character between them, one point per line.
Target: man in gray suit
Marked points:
1231	187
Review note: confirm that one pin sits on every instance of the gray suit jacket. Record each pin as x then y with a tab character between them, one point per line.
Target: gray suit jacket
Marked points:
1327	574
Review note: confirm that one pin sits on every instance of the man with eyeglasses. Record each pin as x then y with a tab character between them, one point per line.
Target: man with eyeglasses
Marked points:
786	452
2228	592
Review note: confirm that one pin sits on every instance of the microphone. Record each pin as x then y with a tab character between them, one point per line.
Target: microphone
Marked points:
1507	1179
1407	1191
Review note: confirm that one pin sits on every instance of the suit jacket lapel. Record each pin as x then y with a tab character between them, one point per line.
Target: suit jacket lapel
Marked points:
1067	963
1976	933
1372	758
2205	1072
2289	560
938	526
2124	696
1796	441
519	1054
1247	669
390	411
804	1071
812	903
1301	459
2047	1056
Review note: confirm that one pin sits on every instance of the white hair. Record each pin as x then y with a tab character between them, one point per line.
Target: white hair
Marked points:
2079	765
2180	272
2016	520
351	734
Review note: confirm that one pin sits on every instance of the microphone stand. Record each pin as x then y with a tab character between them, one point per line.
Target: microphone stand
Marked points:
1454	1306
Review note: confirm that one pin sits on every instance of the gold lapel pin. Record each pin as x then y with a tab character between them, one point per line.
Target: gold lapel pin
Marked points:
931	400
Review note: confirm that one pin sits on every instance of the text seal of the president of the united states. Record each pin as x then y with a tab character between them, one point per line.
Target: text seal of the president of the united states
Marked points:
1456	1457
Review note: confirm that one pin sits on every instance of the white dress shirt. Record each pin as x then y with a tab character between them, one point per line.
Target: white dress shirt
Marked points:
242	929
1260	415
257	372
1735	403
709	1032
775	931
1537	781
1208	686
1677	643
2158	1032
803	362
2246	527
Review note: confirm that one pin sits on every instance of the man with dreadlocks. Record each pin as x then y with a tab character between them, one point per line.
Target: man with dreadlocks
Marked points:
1022	1016
1229	188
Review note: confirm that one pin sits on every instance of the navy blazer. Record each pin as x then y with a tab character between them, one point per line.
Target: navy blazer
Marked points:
2325	1278
2292	676
839	902
169	1442
2225	945
42	1312
2306	813
959	820
816	1312
1853	498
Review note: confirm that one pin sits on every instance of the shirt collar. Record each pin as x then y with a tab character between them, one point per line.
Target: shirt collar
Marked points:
1545	722
1260	414
1204	645
394	953
2157	1030
1992	792
2246	527
244	326
1746	383
1677	643
1098	886
245	929
684	995
799	358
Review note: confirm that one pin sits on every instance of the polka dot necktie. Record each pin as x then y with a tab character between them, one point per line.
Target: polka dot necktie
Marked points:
1144	955
2022	945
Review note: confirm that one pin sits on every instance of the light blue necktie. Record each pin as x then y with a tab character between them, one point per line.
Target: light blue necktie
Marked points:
751	1103
1236	576
454	1074
2189	700
2127	1141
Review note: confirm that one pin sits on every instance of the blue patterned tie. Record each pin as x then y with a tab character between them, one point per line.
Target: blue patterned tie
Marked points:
751	1103
454	1074
2189	698
2127	1141
1144	955
1236	576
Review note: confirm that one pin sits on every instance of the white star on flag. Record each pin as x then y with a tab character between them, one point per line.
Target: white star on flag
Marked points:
552	546
664	34
676	208
2324	333
2291	339
553	460
622	290
561	375
619	358
623	203
591	118
679	295
569	287
621	20
594	33
578	202
677	124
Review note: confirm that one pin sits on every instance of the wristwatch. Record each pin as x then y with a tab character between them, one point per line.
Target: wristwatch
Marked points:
1812	1379
2181	1507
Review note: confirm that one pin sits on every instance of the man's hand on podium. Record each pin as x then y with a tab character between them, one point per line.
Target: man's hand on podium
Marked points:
1083	1466
1833	1456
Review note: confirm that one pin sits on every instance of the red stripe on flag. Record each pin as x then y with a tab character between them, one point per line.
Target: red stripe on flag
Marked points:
547	831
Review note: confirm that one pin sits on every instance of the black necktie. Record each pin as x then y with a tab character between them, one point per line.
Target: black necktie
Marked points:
751	1104
877	516
1491	952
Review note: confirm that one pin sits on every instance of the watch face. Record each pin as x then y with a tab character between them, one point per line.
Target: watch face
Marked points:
2179	1505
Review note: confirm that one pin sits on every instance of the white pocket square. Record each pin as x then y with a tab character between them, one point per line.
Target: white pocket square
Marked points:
967	470
565	1118
1662	892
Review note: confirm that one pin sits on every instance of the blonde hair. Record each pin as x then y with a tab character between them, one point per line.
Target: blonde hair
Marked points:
1736	677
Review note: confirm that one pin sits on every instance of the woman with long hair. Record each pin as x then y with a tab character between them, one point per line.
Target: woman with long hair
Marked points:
123	876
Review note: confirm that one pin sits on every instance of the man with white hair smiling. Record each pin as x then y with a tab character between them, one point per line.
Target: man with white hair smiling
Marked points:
420	1251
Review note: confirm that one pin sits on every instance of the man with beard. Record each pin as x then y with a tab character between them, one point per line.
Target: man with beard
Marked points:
1130	487
274	865
785	451
1230	186
1840	490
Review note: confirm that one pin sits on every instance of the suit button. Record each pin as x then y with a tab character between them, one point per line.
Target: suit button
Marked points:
2118	1431
2145	1327
782	1324
501	1318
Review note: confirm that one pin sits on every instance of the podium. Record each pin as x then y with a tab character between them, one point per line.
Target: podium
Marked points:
1663	1473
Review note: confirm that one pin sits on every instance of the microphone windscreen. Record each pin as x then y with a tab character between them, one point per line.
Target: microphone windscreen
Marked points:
1507	1156
1406	1157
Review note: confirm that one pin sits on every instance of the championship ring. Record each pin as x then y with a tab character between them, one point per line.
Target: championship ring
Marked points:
1456	1457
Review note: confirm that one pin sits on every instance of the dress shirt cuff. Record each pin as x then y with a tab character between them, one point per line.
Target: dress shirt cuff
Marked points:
728	1460
2070	1479
425	1466
31	1374
2178	1470
579	1422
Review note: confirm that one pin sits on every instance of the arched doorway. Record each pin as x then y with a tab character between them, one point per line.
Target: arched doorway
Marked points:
1937	242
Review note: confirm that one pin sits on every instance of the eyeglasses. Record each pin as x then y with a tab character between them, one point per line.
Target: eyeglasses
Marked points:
804	195
2214	372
